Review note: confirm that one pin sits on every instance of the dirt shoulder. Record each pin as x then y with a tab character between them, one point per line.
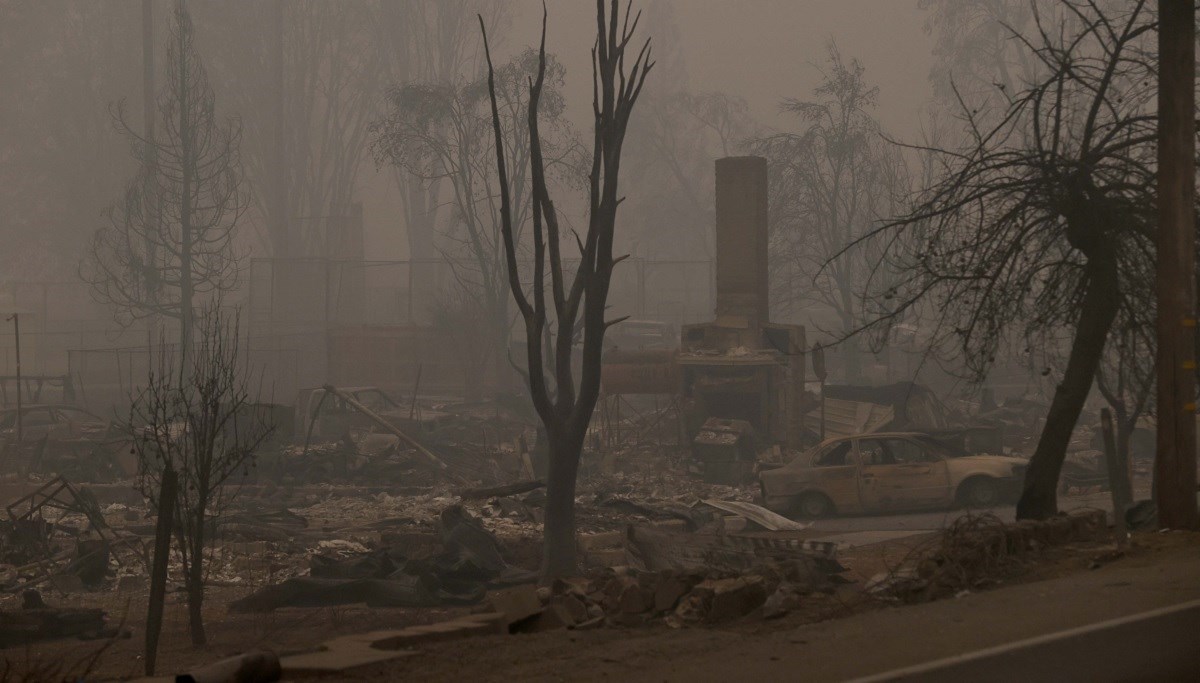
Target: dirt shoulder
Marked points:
1060	592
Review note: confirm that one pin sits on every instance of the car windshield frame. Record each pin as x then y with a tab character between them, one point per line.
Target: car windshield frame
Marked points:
942	448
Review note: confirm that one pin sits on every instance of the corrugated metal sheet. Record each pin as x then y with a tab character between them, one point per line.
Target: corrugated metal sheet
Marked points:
847	418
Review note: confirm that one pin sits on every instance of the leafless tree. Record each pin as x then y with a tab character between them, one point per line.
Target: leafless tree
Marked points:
441	134
565	407
831	182
977	54
431	43
327	88
1040	227
199	421
169	240
1125	378
672	141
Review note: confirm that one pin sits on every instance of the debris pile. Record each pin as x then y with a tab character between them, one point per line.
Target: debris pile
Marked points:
978	551
36	621
454	567
628	597
59	534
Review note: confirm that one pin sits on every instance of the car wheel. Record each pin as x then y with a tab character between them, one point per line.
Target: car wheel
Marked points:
814	505
980	492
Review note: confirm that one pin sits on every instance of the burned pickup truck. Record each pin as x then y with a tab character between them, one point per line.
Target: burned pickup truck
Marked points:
889	472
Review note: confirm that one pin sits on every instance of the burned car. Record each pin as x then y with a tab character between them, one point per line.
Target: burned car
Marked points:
889	472
55	421
329	416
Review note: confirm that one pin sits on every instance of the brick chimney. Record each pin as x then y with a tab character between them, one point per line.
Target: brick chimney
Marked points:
742	287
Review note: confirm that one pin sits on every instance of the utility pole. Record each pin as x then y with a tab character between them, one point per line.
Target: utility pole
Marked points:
148	75
16	321
148	115
281	242
1175	462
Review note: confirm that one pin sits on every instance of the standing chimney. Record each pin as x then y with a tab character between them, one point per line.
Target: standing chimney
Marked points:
742	242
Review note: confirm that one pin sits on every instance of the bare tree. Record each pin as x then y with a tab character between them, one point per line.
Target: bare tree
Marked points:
430	43
199	421
564	407
1040	227
831	182
307	76
977	54
169	240
1126	380
441	134
673	140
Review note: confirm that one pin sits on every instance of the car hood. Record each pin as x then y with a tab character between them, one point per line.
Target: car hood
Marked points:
992	460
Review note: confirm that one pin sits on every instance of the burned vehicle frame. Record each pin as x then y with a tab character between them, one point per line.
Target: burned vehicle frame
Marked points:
888	472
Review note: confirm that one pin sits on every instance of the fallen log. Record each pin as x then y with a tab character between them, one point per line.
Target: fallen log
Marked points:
513	489
393	429
259	666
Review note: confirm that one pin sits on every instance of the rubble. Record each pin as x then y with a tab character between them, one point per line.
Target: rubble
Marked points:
467	559
59	530
36	621
503	491
258	666
653	549
980	550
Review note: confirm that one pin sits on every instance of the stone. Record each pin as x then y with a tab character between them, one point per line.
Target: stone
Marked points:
517	603
607	557
252	548
733	598
132	583
593	623
67	583
668	593
556	616
573	605
634	600
774	607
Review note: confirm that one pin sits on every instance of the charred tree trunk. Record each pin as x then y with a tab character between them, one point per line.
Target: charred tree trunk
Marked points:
192	547
564	406
195	591
1039	498
559	546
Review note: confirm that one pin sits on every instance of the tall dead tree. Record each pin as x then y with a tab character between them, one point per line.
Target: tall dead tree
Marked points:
169	241
564	405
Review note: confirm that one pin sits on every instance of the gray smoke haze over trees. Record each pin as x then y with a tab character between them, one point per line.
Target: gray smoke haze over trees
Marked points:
976	170
831	181
441	135
1039	230
62	64
674	135
431	43
169	242
307	89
